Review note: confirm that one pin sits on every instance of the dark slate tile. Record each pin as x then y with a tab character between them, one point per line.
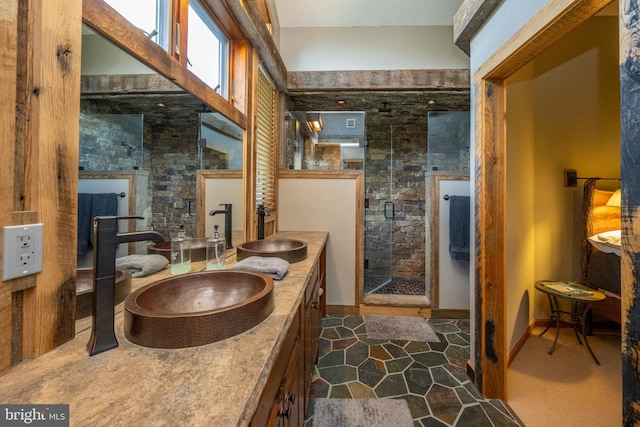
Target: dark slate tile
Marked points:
361	391
418	378
473	416
356	354
416	347
340	392
343	343
344	332
464	325
394	350
457	339
327	322
458	372
443	377
310	409
399	343
352	322
361	329
457	355
439	346
319	388
371	372
417	405
431	358
324	346
333	358
444	327
329	334
444	403
391	385
465	336
379	352
398	365
338	374
432	422
472	390
464	396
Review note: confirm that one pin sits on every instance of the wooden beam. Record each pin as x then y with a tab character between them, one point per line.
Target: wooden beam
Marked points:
247	14
127	84
110	24
490	276
446	79
630	180
8	106
469	19
556	19
51	141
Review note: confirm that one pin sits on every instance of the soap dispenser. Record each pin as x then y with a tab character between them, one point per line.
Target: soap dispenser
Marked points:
181	253
215	251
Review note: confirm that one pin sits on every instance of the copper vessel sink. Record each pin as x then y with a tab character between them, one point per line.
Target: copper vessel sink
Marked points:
197	308
198	249
287	249
84	289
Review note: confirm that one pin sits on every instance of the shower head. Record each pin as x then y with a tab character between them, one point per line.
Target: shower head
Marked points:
384	109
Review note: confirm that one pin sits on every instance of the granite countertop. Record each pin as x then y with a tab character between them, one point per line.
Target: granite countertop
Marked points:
214	384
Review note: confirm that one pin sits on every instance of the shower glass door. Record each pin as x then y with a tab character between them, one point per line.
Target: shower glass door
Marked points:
379	209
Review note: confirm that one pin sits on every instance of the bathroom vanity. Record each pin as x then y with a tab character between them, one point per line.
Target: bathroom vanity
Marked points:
259	377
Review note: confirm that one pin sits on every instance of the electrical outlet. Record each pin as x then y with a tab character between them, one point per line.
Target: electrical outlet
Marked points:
21	250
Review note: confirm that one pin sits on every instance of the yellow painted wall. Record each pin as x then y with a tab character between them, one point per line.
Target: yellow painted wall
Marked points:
562	113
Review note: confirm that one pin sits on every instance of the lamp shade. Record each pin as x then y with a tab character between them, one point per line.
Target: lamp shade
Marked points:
614	200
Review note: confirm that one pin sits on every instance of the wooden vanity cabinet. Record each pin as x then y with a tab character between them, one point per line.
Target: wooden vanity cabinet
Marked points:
313	311
285	397
282	398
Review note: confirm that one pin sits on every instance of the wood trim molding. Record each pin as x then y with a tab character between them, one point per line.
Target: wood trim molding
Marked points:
249	18
469	19
201	177
406	80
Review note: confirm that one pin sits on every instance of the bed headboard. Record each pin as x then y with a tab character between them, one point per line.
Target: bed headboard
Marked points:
597	217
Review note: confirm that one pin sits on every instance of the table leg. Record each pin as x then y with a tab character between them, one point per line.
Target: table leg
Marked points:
555	314
583	324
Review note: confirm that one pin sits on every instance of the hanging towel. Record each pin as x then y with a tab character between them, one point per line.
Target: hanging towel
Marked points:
459	224
272	266
142	265
103	204
85	222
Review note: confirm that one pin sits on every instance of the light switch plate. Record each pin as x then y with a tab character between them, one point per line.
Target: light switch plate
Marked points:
21	250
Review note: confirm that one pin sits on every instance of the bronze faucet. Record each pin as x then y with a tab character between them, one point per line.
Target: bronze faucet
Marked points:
105	242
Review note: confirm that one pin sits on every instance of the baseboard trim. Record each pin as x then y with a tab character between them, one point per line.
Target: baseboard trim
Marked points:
450	313
342	310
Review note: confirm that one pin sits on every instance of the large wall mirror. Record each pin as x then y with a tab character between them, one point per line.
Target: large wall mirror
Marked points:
145	140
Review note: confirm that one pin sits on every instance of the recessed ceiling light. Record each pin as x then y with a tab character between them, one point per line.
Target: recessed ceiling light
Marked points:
341	102
160	104
431	101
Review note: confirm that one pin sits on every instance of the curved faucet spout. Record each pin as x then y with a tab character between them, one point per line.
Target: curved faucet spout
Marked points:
227	222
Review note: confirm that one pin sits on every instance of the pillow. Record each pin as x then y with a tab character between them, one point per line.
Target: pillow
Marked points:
608	242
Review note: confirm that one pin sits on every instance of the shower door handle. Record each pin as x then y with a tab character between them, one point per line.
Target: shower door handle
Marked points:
386	210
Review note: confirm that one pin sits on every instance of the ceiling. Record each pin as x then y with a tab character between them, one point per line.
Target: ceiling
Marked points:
365	13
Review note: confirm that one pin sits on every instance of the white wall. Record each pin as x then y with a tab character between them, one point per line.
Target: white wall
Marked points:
219	191
325	205
367	48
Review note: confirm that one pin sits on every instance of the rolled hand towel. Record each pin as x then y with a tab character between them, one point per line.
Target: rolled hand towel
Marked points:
142	265
272	266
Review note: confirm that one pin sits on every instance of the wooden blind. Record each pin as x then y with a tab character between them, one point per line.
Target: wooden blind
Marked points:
265	143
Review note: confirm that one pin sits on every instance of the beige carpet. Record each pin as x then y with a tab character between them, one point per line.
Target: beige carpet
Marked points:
399	328
567	389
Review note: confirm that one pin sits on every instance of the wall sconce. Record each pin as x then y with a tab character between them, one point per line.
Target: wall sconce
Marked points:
614	200
314	121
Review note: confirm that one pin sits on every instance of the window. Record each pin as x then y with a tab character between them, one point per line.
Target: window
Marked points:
265	152
150	16
207	49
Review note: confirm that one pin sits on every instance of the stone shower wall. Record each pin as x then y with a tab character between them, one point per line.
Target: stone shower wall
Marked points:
417	149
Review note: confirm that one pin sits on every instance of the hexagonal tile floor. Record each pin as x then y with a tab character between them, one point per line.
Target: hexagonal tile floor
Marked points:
430	376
